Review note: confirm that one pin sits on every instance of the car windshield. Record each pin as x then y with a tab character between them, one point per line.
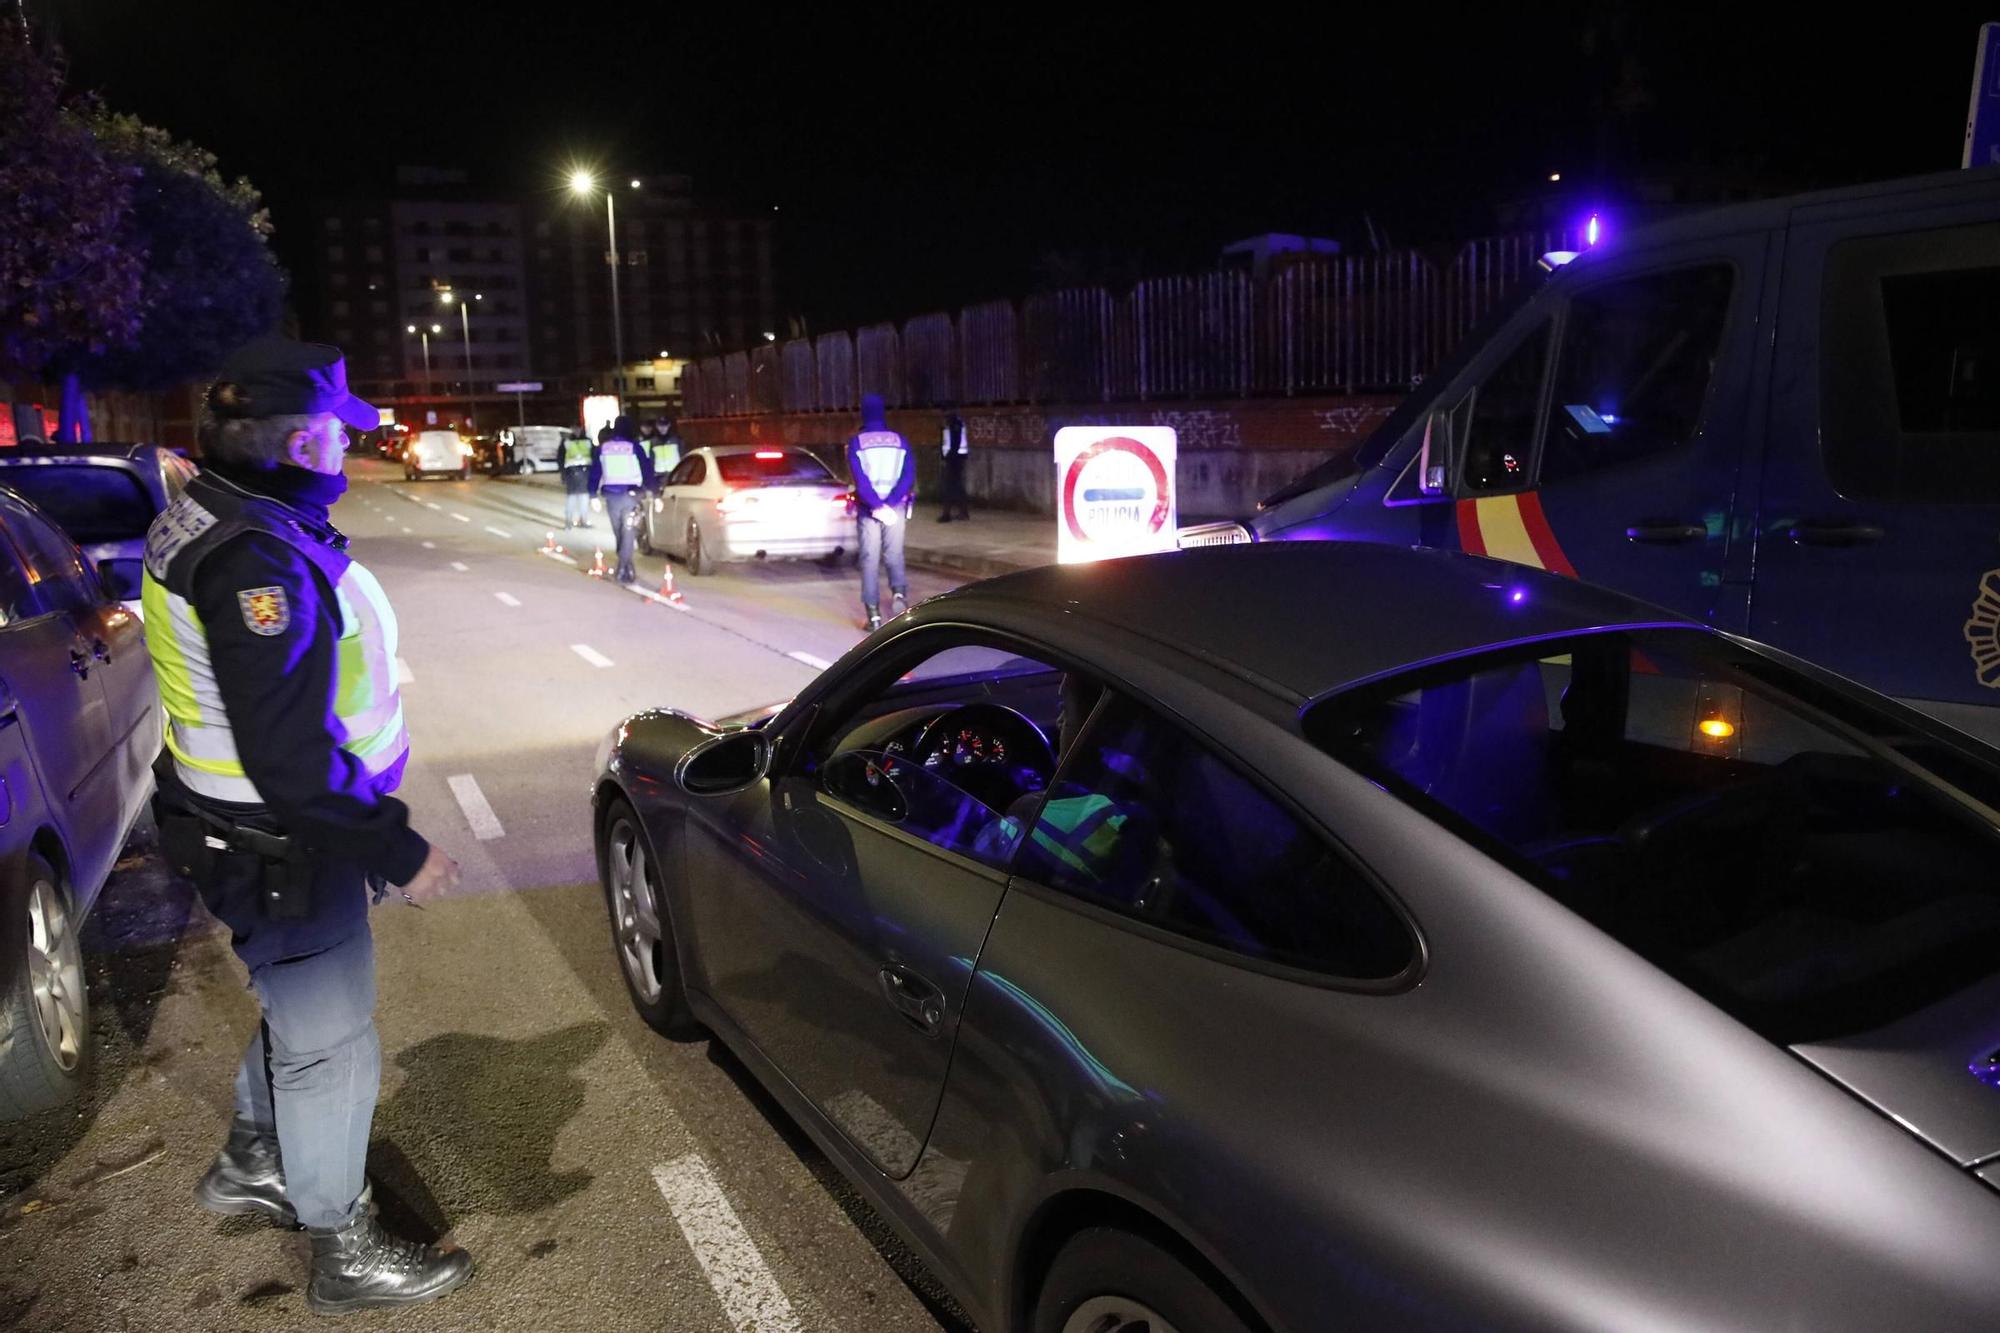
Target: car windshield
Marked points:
92	503
773	467
1814	866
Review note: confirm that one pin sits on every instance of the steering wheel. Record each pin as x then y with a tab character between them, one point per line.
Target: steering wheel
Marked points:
1022	761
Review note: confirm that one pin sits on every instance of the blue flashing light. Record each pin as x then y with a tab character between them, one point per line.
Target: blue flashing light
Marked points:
1987	1071
1592	230
1517	596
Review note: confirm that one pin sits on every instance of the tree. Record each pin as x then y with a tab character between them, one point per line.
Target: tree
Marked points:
210	282
70	284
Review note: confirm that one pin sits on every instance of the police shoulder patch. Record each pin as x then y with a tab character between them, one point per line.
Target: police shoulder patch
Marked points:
265	610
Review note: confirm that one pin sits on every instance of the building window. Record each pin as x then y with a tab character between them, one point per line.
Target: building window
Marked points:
336	254
374	254
644	381
460	255
337	280
378	307
332	226
339	309
423	254
372	226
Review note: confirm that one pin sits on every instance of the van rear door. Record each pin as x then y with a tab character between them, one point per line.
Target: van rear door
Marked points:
1878	537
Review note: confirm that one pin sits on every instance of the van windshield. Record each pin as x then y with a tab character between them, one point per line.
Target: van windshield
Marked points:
1815	867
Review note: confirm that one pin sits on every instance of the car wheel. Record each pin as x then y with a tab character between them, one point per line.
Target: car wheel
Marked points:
698	559
642	931
45	1014
1110	1281
526	467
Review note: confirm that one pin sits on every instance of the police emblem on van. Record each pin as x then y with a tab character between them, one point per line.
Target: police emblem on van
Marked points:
1983	631
265	610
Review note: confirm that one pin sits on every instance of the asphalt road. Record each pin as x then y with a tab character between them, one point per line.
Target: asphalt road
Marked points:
600	1175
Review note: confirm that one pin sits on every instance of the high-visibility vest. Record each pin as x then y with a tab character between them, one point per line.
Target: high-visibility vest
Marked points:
620	461
666	453
367	711
576	452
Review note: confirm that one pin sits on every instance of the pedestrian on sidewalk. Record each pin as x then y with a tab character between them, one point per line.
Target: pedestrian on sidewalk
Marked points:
276	658
885	476
956	448
576	452
621	475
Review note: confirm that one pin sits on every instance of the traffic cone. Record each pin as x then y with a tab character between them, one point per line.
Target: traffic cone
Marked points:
597	569
667	588
549	546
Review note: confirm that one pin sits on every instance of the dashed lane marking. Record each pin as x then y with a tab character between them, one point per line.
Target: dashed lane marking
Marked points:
498	532
430	546
507	599
433	504
485	824
563	556
460	517
816	663
404	676
590	654
461	566
751	1297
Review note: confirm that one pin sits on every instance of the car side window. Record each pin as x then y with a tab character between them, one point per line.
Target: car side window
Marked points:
1148	822
1499	417
955	749
54	565
17	593
1633	373
1910	366
692	472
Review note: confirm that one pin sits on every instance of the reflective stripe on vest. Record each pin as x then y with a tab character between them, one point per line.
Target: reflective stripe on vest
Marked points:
881	454
576	453
620	461
366	714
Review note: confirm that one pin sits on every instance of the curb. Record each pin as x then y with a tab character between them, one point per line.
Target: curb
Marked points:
971	566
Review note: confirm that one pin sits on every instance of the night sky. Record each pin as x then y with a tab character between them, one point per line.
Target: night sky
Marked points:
921	158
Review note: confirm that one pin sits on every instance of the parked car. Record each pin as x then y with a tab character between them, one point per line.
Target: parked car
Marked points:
1769	417
105	496
1318	935
535	448
431	452
748	503
79	730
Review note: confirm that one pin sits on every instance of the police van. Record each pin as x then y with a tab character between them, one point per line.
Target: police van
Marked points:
1782	418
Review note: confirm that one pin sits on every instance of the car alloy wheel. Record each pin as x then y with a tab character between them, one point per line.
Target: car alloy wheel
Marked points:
635	908
697	559
1115	1314
55	975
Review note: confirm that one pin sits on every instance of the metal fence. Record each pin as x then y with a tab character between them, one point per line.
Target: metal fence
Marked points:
1367	323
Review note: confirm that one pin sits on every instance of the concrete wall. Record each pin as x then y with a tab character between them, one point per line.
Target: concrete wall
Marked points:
1232	454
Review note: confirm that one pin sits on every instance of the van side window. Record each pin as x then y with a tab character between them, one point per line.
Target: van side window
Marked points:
1633	373
1910	365
1502	419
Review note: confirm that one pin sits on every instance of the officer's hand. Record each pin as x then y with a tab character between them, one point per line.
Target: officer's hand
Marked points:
659	506
438	877
596	505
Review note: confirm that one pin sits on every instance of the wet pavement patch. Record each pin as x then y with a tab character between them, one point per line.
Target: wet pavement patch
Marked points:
542	1249
264	1293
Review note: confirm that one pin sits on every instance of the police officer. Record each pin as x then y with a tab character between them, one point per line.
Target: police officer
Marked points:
620	475
276	659
576	452
954	451
885	475
666	447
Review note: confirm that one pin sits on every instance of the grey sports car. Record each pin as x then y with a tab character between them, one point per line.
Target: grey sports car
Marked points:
1319	937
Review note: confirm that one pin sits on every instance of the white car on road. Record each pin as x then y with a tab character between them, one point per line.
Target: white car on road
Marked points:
744	502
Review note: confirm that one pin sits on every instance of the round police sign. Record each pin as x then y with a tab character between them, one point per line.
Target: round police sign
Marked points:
1114	491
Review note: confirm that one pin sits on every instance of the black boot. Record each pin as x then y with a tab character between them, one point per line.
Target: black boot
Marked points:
246	1177
874	617
362	1267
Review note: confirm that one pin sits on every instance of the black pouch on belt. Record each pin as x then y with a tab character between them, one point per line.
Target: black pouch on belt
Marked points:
184	844
286	888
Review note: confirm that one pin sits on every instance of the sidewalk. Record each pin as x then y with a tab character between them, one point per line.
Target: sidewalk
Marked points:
993	541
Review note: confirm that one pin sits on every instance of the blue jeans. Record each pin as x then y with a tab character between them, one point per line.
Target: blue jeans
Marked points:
622	508
881	542
312	1072
576	496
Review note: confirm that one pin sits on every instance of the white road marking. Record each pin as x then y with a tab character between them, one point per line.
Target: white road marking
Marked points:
430	546
404	676
590	654
460	517
651	596
497	532
750	1295
485	824
563	556
460	567
406	532
432	504
816	663
507	599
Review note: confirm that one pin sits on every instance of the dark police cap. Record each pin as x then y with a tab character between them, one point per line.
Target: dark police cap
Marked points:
276	377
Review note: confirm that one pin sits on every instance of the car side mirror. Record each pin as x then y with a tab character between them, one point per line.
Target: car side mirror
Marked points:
123	578
1444	432
724	765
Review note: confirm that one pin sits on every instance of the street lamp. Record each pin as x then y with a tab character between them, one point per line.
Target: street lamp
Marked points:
425	334
583	185
465	326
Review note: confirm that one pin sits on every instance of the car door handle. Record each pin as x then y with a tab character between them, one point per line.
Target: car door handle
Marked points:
79	663
1657	532
1833	532
919	1002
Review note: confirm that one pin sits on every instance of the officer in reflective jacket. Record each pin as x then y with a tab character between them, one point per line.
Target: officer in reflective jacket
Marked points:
620	475
276	658
576	452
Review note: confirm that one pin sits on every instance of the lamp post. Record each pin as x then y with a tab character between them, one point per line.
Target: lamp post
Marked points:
425	334
583	185
465	327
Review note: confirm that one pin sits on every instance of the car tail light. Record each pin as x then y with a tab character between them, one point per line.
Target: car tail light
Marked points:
770	453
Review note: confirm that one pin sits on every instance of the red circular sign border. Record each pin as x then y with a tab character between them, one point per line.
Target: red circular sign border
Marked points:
1122	444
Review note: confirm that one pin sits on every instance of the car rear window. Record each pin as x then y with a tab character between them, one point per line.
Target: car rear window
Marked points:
92	503
768	467
1799	858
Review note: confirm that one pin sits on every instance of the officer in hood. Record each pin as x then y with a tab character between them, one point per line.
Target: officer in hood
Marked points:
275	653
885	476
